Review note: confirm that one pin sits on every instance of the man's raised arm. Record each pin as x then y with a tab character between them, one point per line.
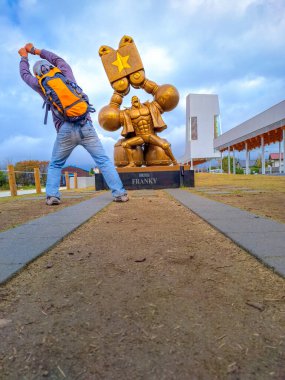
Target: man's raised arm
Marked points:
54	59
25	71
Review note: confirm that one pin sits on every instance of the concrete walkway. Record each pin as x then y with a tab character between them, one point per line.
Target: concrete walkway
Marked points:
262	237
21	245
24	192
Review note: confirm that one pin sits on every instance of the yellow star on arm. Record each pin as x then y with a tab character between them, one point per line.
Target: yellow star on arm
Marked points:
121	62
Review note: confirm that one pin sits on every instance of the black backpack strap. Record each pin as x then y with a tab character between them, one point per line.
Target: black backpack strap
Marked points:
47	105
91	108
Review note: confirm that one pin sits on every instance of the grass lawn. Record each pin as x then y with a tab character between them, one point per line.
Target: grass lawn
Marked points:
257	182
259	194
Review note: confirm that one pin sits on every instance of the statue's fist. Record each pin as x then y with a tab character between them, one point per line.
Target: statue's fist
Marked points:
122	86
109	118
137	78
167	97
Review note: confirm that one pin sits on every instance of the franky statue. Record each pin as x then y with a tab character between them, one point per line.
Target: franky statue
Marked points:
142	121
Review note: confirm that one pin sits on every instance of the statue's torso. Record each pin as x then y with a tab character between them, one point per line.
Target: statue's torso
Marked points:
141	120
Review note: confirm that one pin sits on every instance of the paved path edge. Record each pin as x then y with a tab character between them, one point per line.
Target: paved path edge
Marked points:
18	239
275	261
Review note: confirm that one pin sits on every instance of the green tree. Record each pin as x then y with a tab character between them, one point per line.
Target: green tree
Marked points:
225	164
258	162
25	169
3	180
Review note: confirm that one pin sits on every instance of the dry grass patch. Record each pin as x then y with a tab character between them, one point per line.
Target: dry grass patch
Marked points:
261	195
257	182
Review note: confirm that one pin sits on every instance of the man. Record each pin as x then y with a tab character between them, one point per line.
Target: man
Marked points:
69	135
142	121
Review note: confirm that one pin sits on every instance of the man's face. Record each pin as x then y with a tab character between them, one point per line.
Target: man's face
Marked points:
135	102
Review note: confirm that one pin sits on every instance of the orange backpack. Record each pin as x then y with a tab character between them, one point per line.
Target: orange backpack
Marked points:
64	96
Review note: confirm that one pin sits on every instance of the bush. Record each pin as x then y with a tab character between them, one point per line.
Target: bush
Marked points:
239	171
4	184
254	169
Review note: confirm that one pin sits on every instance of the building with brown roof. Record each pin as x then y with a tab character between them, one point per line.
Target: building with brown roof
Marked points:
74	169
276	159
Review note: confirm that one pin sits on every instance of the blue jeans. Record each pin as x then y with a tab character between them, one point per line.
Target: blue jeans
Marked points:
69	136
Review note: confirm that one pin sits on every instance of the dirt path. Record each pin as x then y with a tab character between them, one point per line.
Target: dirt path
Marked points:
144	290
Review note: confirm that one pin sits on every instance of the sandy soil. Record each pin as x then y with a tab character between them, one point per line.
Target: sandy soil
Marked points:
144	290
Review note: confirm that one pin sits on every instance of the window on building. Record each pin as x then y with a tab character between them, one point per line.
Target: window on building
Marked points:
194	128
217	126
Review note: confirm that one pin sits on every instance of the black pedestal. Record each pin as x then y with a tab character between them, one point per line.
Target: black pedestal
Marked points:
157	177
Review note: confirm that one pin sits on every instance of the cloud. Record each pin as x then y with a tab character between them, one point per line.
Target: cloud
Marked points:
176	136
26	4
245	97
22	147
251	83
158	61
108	143
90	74
233	49
213	7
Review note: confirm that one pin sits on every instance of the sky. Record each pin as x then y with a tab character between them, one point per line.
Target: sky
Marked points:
235	49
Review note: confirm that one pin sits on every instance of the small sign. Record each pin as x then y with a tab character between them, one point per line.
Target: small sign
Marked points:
160	179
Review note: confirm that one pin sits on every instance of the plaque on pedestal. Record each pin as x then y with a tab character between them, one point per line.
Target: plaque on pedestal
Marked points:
156	177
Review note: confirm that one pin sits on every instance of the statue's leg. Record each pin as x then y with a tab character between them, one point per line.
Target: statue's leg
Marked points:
128	144
155	140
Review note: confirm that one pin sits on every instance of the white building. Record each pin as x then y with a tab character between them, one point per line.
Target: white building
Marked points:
202	126
266	128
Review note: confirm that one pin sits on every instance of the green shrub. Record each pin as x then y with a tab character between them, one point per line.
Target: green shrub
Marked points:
254	169
4	184
239	171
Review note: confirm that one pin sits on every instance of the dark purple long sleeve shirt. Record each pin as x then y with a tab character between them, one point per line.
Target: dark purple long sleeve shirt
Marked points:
32	81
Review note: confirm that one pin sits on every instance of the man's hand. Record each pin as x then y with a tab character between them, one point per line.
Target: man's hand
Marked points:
23	52
31	49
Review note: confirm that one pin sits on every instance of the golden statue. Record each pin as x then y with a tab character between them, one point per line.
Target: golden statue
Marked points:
142	121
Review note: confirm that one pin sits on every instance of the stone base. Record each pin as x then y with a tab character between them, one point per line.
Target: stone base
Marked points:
152	177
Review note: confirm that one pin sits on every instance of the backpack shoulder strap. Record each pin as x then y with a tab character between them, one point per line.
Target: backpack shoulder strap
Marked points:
47	105
49	74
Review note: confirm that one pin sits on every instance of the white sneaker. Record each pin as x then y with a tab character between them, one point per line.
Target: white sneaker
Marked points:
53	201
121	198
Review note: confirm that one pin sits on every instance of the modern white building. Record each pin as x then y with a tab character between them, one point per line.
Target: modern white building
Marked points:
202	127
263	129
